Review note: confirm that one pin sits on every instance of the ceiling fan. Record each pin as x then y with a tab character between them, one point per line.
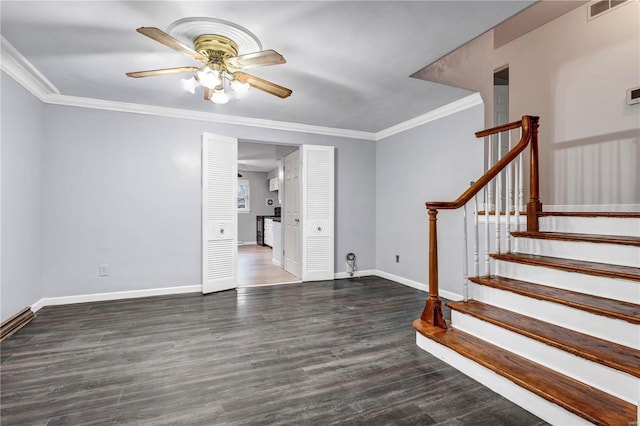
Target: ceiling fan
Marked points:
219	53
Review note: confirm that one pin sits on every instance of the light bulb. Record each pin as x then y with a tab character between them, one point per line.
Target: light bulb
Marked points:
208	77
190	84
219	97
239	88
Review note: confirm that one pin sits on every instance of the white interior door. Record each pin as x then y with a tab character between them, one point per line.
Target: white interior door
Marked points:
317	201
219	212
292	213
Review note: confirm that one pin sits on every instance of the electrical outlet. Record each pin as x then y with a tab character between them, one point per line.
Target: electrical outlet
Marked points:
103	270
397	258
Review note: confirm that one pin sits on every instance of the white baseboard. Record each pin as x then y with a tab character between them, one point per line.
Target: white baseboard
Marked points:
363	273
38	305
276	262
247	243
116	295
164	291
591	207
417	285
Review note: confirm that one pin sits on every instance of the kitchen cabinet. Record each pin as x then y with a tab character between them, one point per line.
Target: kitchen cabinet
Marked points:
274	184
268	232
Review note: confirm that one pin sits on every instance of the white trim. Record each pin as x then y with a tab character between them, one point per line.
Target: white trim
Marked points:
357	274
26	74
269	284
22	71
607	208
276	262
206	116
247	243
38	305
417	285
436	114
116	295
546	410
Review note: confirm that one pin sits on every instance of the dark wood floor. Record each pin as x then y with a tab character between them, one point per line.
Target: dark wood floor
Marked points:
336	352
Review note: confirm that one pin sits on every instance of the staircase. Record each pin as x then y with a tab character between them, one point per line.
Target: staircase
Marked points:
556	327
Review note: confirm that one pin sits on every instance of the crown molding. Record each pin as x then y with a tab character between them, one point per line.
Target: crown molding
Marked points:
76	101
436	114
21	70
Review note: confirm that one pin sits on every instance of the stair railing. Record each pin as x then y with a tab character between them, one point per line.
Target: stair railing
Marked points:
508	170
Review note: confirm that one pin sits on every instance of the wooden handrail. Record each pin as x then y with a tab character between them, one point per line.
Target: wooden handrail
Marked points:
528	123
432	313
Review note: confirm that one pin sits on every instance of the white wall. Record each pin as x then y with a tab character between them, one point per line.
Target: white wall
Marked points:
22	141
124	189
574	74
433	162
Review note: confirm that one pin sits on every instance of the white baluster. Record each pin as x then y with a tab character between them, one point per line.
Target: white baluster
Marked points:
508	201
487	247
516	207
465	258
487	206
520	182
476	243
498	204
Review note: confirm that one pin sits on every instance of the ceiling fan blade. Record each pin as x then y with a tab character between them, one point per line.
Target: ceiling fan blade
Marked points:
264	85
257	59
164	38
164	71
208	93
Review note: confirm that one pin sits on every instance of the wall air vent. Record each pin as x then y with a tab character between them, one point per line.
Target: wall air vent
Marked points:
598	7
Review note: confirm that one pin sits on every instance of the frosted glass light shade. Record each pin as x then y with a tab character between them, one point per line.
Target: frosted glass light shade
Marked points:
219	97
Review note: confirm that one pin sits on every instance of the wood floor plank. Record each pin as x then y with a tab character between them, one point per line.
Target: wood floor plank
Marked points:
334	352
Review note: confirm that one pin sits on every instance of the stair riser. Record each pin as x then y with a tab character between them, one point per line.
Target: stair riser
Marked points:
614	382
591	225
614	254
536	405
610	329
612	288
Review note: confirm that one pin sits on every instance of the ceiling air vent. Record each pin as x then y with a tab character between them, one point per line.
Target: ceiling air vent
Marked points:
598	7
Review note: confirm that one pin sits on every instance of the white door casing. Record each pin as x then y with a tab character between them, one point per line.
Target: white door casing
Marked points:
219	212
317	215
292	213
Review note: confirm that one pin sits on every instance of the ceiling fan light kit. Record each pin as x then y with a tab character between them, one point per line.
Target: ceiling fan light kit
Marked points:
225	49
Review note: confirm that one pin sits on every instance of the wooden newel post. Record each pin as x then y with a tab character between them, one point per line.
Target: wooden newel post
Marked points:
534	206
432	313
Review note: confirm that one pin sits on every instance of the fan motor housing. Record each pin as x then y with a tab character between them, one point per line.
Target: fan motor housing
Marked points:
215	46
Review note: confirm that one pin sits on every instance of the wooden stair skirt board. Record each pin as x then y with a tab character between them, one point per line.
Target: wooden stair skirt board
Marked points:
16	322
558	399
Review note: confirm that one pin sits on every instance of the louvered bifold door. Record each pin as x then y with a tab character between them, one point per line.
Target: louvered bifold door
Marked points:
317	198
219	212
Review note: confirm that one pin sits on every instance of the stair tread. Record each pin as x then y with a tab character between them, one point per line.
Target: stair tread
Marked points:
598	350
583	400
591	214
590	238
573	265
618	309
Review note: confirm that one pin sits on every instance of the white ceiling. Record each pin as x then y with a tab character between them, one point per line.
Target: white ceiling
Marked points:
348	62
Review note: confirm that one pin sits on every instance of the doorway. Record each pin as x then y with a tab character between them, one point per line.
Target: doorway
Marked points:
260	227
221	202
